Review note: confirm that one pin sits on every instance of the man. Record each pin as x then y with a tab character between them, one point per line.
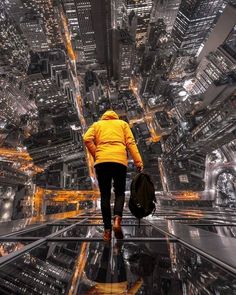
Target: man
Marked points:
108	141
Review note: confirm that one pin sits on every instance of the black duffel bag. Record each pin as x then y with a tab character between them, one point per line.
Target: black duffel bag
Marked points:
142	196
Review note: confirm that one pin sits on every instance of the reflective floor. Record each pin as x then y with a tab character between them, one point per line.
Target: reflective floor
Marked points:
176	251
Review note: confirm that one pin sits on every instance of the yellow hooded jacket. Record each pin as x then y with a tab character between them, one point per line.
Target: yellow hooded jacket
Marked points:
109	139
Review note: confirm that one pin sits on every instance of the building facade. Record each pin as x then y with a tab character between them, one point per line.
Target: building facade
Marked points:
194	21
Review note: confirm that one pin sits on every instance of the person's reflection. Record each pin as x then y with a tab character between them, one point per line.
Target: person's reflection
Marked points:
111	277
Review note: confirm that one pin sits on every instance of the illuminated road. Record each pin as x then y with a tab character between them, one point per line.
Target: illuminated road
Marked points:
79	266
27	166
163	175
14	154
148	116
78	98
41	195
21	157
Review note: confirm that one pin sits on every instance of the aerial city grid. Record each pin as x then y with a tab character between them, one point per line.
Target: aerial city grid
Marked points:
166	67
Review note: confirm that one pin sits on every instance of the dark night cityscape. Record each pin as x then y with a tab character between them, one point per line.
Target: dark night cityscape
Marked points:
168	69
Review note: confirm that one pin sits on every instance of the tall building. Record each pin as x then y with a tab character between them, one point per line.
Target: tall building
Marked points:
102	24
186	147
16	9
33	30
194	21
93	90
14	103
86	29
79	15
222	29
142	8
123	57
69	7
89	24
14	52
70	173
218	66
166	10
45	10
156	59
117	13
55	138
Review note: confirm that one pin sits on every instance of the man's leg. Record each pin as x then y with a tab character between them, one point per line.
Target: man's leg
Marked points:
119	177
104	178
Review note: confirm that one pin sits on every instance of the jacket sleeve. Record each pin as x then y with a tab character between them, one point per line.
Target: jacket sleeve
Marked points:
136	286
132	147
89	138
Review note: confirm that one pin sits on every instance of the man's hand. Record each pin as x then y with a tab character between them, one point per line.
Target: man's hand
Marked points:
140	168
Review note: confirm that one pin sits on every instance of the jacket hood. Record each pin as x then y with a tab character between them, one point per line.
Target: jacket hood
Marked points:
109	115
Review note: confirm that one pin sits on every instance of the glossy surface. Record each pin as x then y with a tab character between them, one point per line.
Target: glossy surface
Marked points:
61	260
225	231
97	231
85	268
8	247
42	232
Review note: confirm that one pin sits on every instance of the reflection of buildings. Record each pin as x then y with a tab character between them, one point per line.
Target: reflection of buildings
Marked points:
53	264
195	271
93	267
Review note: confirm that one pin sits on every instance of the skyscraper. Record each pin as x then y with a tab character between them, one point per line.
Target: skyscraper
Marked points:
117	13
217	64
44	10
86	29
142	8
123	57
223	27
102	24
32	28
89	23
79	15
167	10
14	52
194	22
14	103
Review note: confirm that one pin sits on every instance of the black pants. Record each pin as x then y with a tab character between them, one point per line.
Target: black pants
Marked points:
106	172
